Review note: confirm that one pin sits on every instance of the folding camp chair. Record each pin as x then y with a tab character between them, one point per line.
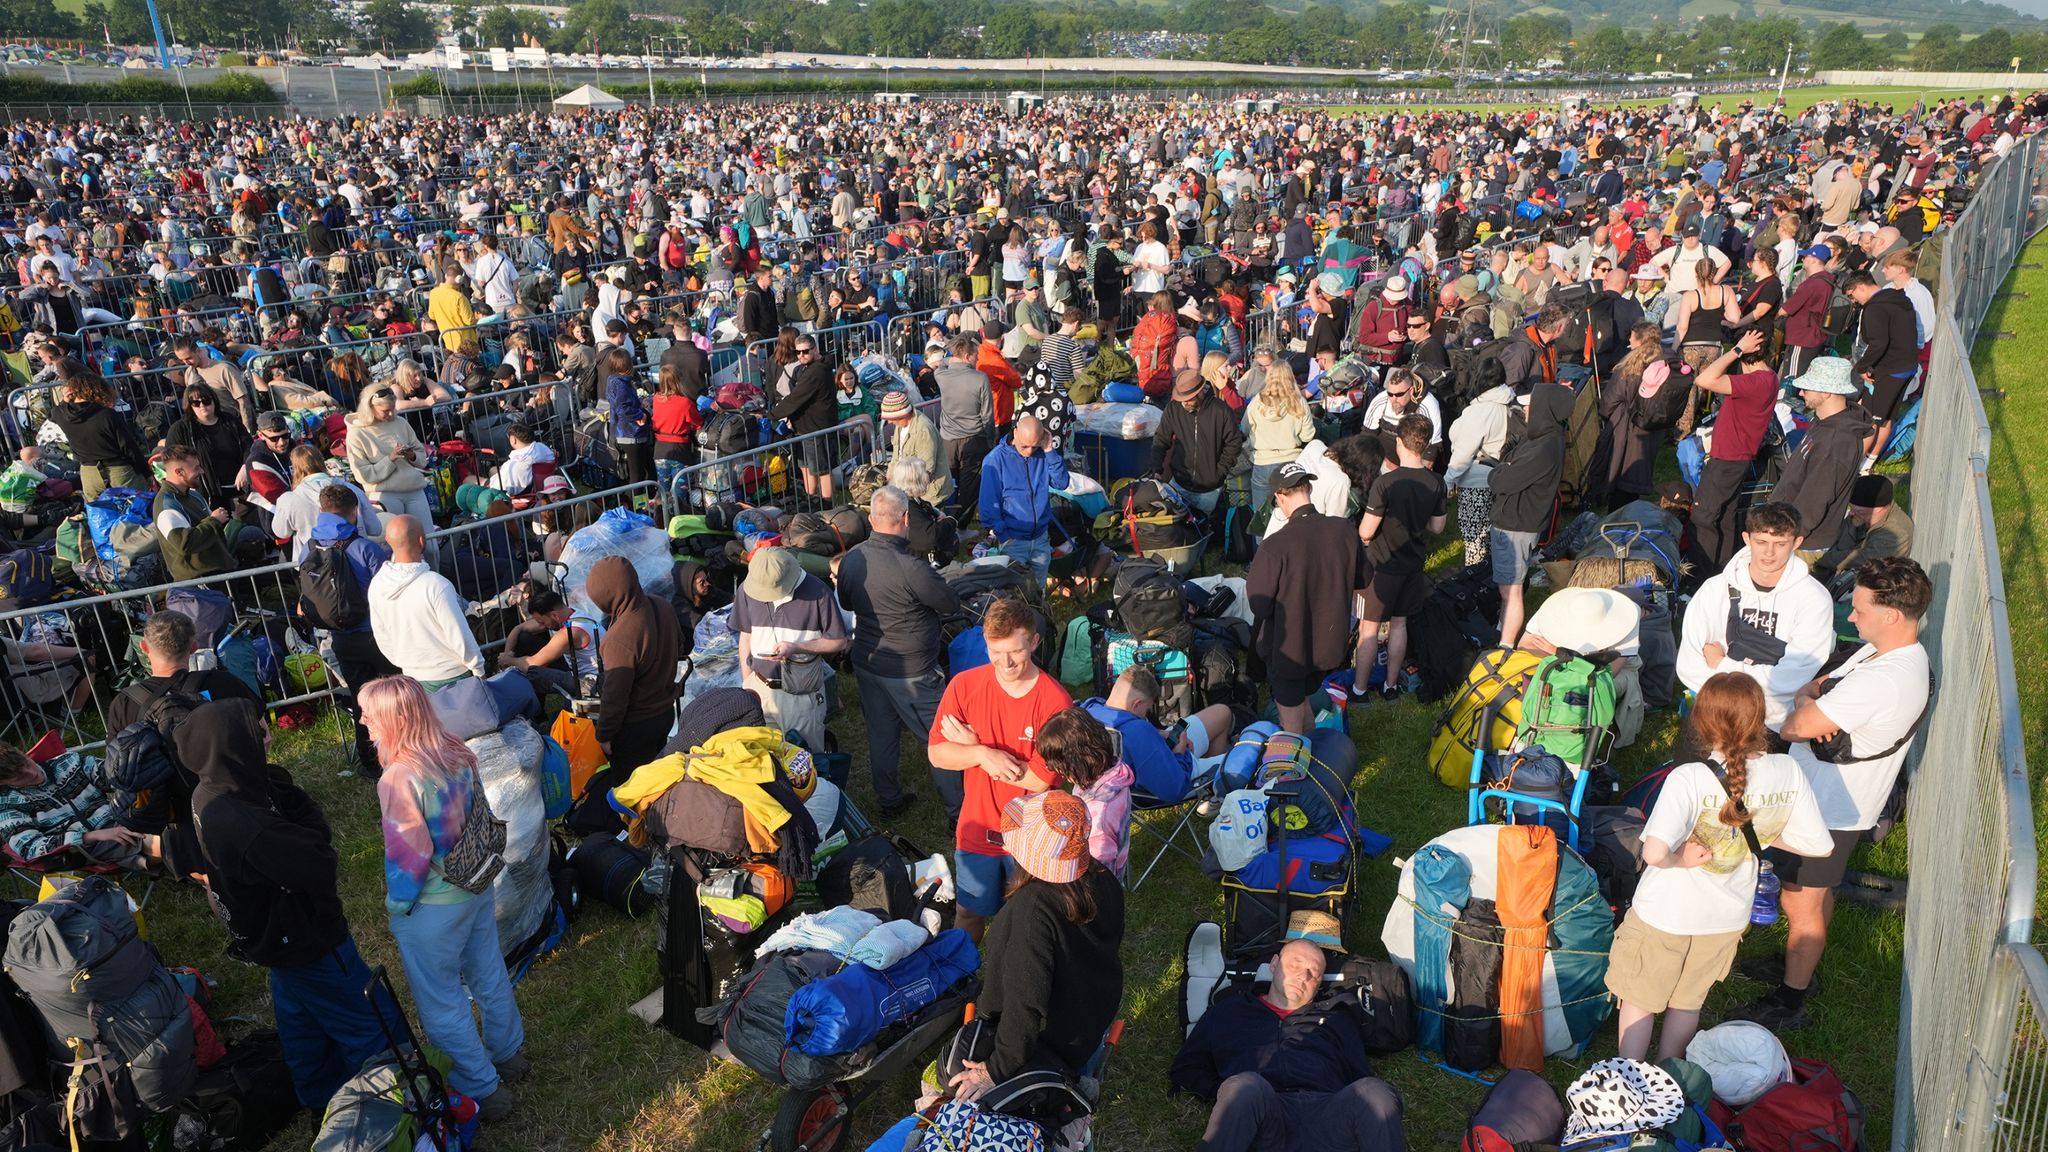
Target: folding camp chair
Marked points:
1184	836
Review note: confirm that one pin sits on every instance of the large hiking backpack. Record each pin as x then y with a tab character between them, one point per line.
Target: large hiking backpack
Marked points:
141	768
1150	603
1568	697
1813	1112
1501	674
1841	314
107	1003
1454	623
330	595
27	578
827	533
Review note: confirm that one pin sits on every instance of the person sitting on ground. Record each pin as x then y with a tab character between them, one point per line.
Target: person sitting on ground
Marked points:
42	814
1764	616
1850	731
1299	588
269	861
1874	527
931	534
418	617
555	646
984	738
1052	976
1817	479
1701	845
1287	1068
198	541
525	465
1165	764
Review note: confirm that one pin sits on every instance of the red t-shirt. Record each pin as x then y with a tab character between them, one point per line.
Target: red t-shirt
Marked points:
1745	414
999	720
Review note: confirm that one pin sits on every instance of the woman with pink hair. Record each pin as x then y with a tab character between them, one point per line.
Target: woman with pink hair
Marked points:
445	920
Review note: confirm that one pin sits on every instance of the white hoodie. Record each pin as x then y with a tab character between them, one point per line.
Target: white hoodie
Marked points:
417	617
1329	493
1797	611
1479	438
515	475
299	507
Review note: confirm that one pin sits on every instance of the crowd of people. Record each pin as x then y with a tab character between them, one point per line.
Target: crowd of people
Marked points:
294	340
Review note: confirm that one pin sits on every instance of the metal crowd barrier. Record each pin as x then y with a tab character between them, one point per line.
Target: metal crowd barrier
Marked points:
771	474
1972	1075
33	699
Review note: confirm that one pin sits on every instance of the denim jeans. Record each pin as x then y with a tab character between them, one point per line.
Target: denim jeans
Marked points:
1036	554
325	1024
451	957
1261	484
1203	502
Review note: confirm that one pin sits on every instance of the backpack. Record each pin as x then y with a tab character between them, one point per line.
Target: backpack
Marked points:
27	578
1382	991
1841	311
246	1097
1568	694
142	764
1813	1112
1454	623
1660	405
729	433
330	596
1501	674
128	1027
1150	603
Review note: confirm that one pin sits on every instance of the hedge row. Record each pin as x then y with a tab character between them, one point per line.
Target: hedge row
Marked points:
239	88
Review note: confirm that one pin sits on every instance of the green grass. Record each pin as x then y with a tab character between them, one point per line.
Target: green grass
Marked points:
607	1081
2019	438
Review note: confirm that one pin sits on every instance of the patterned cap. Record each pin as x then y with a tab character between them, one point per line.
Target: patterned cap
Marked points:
1046	833
895	406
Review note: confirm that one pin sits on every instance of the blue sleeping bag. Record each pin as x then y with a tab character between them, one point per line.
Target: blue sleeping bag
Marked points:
851	1007
1121	393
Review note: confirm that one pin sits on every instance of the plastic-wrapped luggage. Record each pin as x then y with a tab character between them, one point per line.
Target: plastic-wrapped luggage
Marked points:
619	532
509	762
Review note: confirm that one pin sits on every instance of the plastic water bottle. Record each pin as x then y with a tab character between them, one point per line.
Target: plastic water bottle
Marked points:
1764	908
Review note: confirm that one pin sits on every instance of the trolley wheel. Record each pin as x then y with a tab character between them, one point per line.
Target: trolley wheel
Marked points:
814	1120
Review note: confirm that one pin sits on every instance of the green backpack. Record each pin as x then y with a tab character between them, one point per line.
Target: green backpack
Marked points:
1566	695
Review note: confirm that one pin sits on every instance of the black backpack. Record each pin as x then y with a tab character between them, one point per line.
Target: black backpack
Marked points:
1661	411
729	433
1150	603
141	767
1380	989
330	596
1841	310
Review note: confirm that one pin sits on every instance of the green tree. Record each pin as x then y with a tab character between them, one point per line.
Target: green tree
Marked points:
462	22
1843	46
1012	31
605	23
1991	51
501	27
396	25
1894	43
1940	49
904	27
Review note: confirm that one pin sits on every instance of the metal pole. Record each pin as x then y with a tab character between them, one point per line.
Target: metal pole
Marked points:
1784	73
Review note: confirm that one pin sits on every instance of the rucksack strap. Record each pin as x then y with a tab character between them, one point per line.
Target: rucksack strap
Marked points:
1748	829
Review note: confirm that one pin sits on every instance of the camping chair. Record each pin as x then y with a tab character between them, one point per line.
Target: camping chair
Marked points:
1182	835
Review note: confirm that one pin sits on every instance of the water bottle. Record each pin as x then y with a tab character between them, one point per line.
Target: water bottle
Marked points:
1764	908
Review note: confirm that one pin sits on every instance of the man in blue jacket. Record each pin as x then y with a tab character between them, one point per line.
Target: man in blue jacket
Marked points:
1017	480
355	649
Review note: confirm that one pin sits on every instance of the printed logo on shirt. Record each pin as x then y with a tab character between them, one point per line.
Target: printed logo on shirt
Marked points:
1761	618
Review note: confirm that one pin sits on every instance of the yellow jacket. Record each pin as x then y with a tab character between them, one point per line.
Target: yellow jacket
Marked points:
737	762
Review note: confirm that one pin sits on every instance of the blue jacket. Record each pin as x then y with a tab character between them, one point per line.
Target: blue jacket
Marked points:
1016	493
628	411
365	556
1160	770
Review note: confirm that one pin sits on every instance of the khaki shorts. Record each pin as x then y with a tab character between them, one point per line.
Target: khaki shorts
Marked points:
1656	970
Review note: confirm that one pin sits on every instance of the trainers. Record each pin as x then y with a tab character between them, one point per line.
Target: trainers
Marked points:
497	1106
513	1069
1773	1014
1771	970
899	806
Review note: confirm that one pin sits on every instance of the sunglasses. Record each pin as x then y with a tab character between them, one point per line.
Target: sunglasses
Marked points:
805	351
200	403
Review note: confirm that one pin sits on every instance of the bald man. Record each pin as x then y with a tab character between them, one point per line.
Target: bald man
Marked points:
1287	1068
416	614
1017	480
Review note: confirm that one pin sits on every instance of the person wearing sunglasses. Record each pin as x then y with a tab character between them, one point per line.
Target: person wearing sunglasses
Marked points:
809	403
267	469
218	435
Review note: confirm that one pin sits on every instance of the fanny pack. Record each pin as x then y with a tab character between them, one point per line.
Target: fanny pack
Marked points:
479	853
1747	642
803	674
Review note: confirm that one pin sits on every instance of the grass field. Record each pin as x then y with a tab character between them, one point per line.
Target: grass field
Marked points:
2019	439
607	1081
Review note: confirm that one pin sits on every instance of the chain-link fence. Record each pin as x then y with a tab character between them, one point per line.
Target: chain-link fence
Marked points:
1972	1070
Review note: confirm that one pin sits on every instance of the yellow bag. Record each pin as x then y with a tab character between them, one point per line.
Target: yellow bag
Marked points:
1500	674
578	737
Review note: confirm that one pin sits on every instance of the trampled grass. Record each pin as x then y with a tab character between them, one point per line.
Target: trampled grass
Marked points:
603	1080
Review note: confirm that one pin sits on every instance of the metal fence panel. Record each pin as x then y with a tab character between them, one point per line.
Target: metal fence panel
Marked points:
1971	1063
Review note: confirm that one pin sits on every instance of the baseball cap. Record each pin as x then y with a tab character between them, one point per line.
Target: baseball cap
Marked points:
1239	834
1291	476
1820	252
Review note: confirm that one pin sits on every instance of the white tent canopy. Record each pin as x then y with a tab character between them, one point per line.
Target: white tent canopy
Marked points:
589	96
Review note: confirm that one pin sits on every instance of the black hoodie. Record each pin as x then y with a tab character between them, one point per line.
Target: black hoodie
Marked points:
269	856
1816	480
1525	484
641	647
